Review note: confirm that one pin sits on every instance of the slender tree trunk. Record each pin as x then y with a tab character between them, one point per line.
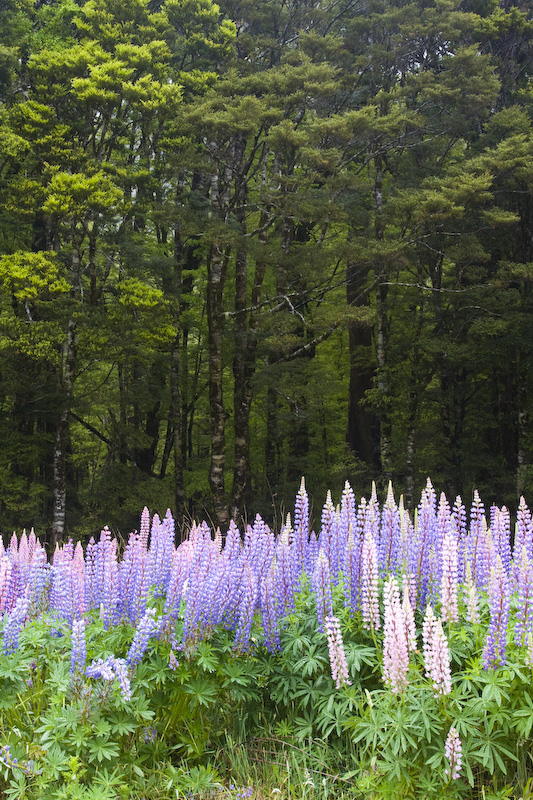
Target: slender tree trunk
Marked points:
362	425
63	426
216	276
382	336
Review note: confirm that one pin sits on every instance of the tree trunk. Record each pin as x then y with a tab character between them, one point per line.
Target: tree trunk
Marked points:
361	434
62	434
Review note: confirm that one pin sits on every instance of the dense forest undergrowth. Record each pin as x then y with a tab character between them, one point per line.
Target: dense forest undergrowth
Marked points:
247	242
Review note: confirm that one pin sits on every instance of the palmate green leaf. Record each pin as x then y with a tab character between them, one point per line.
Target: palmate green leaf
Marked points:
57	761
121	723
103	750
203	691
206	657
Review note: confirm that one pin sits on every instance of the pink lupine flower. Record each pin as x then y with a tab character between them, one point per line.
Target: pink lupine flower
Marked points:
436	654
173	662
454	753
395	643
337	656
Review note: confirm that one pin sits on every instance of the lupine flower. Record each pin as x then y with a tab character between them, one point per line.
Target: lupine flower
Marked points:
246	611
409	616
389	536
448	580
453	751
524	609
337	656
149	734
470	592
436	654
369	584
499	603
301	530
13	625
109	670
328	537
120	668
269	611
523	532
348	522
146	628
101	669
321	583
78	652
173	662
395	644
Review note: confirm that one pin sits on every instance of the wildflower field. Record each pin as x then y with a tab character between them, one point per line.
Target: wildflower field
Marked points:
386	655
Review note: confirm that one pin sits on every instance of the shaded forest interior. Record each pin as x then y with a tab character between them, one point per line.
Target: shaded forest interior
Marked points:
244	243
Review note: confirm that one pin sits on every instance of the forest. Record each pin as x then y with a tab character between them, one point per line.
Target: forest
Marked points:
246	242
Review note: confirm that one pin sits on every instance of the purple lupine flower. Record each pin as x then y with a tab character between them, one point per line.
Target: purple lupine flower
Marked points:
78	653
321	583
270	611
101	669
161	549
144	530
301	531
146	628
109	670
38	577
90	574
476	545
120	668
246	610
178	576
285	570
448	579
60	598
500	528
453	751
499	604
348	525
13	625
328	537
436	654
352	572
337	656
369	584
13	587
395	644
459	524
108	577
424	544
5	575
259	546
524	609
202	574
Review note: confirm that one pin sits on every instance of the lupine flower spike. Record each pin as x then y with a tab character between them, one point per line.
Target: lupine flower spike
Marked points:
453	751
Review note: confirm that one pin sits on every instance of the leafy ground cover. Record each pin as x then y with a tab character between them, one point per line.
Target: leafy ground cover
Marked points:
385	655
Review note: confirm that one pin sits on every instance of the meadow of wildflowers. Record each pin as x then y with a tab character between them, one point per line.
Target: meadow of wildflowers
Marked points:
399	645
